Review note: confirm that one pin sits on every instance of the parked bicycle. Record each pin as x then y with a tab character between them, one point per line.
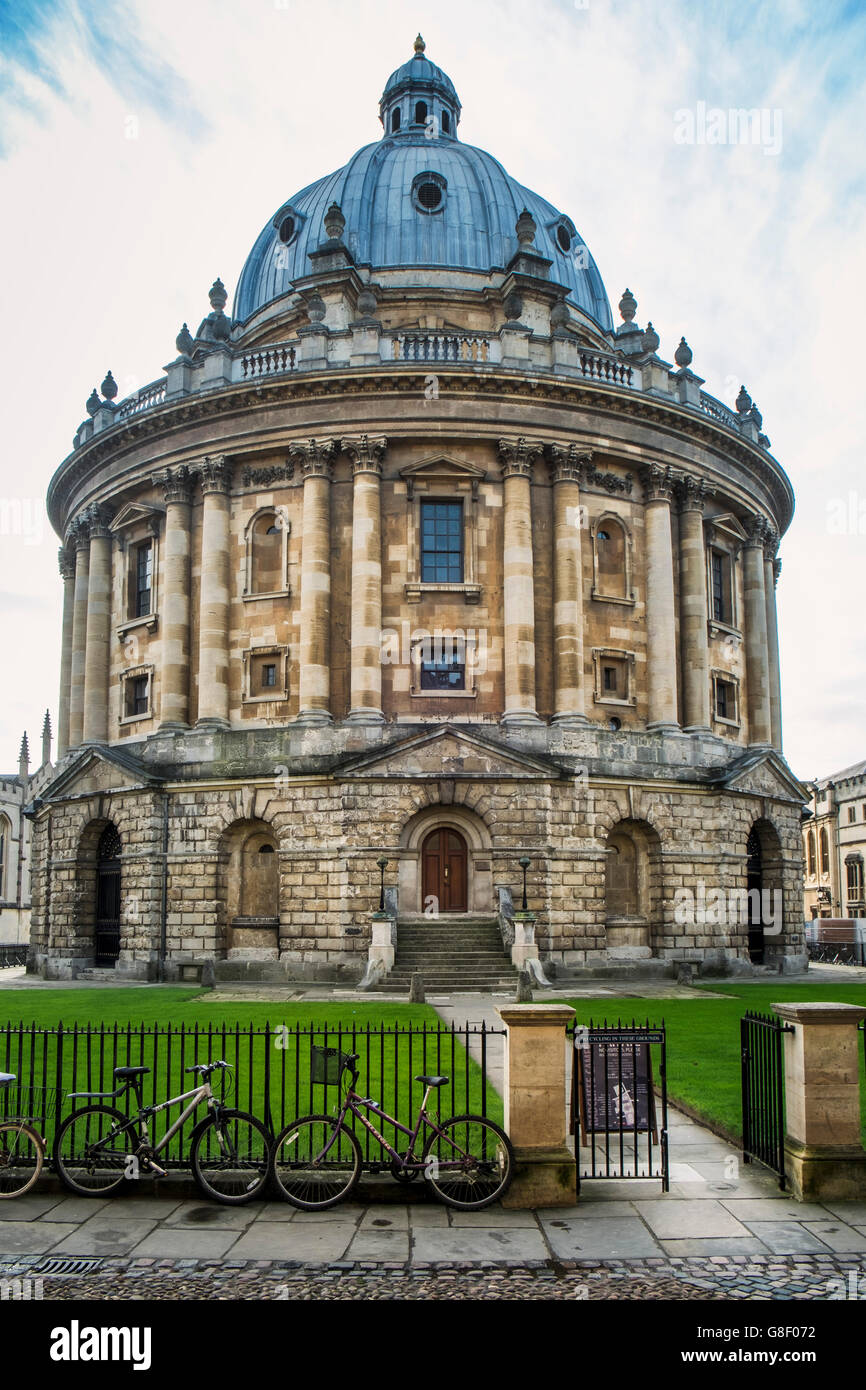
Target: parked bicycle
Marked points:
22	1145
467	1161
98	1148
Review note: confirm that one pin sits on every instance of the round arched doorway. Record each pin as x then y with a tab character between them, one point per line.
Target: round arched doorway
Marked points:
107	928
444	871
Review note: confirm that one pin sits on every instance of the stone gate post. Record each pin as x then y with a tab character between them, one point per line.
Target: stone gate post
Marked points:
535	1104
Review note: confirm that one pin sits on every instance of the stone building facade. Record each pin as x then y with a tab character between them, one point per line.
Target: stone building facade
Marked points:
834	845
17	789
415	557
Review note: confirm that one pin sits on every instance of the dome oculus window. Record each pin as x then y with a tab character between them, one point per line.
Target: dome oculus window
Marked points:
565	235
287	229
288	223
429	192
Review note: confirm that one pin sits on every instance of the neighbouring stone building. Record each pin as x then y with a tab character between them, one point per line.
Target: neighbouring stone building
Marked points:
834	845
416	558
17	789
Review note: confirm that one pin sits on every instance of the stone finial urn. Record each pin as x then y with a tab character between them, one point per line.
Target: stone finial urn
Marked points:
367	303
526	228
109	387
92	402
513	306
217	295
316	309
743	401
628	306
683	355
559	316
184	342
651	339
335	222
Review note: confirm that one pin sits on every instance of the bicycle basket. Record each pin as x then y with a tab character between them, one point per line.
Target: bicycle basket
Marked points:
327	1065
34	1103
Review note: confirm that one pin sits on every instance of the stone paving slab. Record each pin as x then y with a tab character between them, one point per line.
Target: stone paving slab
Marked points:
763	1209
210	1216
788	1238
842	1239
475	1245
104	1236
712	1249
301	1241
32	1237
682	1220
617	1237
383	1247
178	1242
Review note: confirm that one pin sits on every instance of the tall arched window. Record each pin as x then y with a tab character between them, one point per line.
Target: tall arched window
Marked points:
611	560
266	553
420	112
810	853
446	123
825	851
395	119
5	850
107	933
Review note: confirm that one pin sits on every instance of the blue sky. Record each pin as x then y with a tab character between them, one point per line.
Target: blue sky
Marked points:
144	145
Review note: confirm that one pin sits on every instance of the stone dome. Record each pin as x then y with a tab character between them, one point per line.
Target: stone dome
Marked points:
461	217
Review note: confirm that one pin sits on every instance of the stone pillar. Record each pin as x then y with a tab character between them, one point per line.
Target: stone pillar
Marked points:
67	572
755	621
314	655
518	584
535	1104
660	614
694	653
213	638
824	1156
176	485
81	542
772	569
98	645
366	455
568	675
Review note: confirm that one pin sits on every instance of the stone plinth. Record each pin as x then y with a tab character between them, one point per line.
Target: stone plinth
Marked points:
824	1156
535	1104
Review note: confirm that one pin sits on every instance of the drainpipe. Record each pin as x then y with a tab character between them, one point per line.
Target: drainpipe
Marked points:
163	925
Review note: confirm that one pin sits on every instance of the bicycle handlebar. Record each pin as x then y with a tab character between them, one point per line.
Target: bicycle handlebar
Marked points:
207	1067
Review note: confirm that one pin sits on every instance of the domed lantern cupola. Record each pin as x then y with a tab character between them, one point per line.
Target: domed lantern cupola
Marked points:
420	98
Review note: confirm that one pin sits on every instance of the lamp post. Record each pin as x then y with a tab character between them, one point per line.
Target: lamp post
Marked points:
383	864
524	864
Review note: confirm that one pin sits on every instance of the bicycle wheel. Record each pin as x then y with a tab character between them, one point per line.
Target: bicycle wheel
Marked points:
21	1152
470	1164
230	1156
93	1153
304	1178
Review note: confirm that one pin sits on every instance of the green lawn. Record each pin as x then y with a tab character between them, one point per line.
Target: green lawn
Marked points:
169	1028
703	1038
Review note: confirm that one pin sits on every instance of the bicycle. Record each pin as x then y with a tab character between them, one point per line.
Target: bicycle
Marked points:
22	1146
467	1161
98	1148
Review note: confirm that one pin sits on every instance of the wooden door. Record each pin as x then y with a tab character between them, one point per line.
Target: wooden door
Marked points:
444	870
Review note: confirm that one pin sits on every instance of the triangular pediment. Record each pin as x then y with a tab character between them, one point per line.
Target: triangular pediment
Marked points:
452	753
764	774
442	466
96	769
134	514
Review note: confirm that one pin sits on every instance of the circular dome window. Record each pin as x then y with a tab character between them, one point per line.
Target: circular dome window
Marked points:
563	237
287	229
429	192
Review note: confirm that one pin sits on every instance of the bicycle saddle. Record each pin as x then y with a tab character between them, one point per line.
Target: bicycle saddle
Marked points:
6	1077
433	1080
124	1073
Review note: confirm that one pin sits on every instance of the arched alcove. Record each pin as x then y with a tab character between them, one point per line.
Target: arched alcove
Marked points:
249	891
764	914
440	838
632	890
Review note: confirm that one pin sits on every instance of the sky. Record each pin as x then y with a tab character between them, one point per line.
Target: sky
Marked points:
144	145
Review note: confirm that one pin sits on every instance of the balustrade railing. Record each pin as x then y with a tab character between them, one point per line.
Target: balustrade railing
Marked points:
272	360
720	412
607	369
444	347
144	399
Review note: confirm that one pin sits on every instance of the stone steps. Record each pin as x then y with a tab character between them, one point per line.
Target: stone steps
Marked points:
450	954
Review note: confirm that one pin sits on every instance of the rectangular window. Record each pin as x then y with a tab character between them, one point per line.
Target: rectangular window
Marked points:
726	700
443	664
852	814
269	676
720	575
855	879
442	542
143	579
137	695
610	677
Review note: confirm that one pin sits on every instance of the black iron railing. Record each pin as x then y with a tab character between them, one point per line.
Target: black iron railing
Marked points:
13	955
619	1101
270	1074
763	1082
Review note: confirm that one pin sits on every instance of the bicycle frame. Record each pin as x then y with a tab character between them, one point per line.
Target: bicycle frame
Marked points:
195	1098
353	1103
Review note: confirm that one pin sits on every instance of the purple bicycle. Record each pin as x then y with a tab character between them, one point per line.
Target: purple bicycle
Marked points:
467	1161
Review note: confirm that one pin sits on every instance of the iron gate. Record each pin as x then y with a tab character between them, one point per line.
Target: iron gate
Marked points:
619	1110
764	1090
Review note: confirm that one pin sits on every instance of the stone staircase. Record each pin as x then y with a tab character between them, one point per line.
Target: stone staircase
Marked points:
460	952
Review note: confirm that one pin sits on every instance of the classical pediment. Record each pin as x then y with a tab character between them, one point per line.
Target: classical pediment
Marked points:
453	753
763	774
96	769
136	514
441	466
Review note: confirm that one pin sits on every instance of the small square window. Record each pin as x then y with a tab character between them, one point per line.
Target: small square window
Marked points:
137	696
609	678
269	675
726	700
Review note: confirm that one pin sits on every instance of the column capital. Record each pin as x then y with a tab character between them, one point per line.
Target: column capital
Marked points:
659	482
176	483
568	465
66	563
757	528
692	493
316	456
771	543
215	474
97	520
366	453
518	456
79	532
777	570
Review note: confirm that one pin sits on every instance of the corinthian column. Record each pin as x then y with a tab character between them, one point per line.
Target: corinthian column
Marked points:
567	467
81	544
176	485
518	584
757	662
213	639
98	629
660	615
314	655
693	607
772	568
366	456
67	573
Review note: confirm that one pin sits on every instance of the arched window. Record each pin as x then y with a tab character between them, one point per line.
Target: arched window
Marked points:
825	851
107	934
810	853
446	123
420	112
611	560
260	886
621	886
395	119
5	850
266	553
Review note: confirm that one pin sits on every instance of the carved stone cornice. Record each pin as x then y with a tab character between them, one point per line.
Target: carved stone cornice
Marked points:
518	456
366	453
568	465
176	483
659	484
692	493
316	456
66	564
215	474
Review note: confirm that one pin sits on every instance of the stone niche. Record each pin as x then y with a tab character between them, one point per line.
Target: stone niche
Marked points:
251	872
631	878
